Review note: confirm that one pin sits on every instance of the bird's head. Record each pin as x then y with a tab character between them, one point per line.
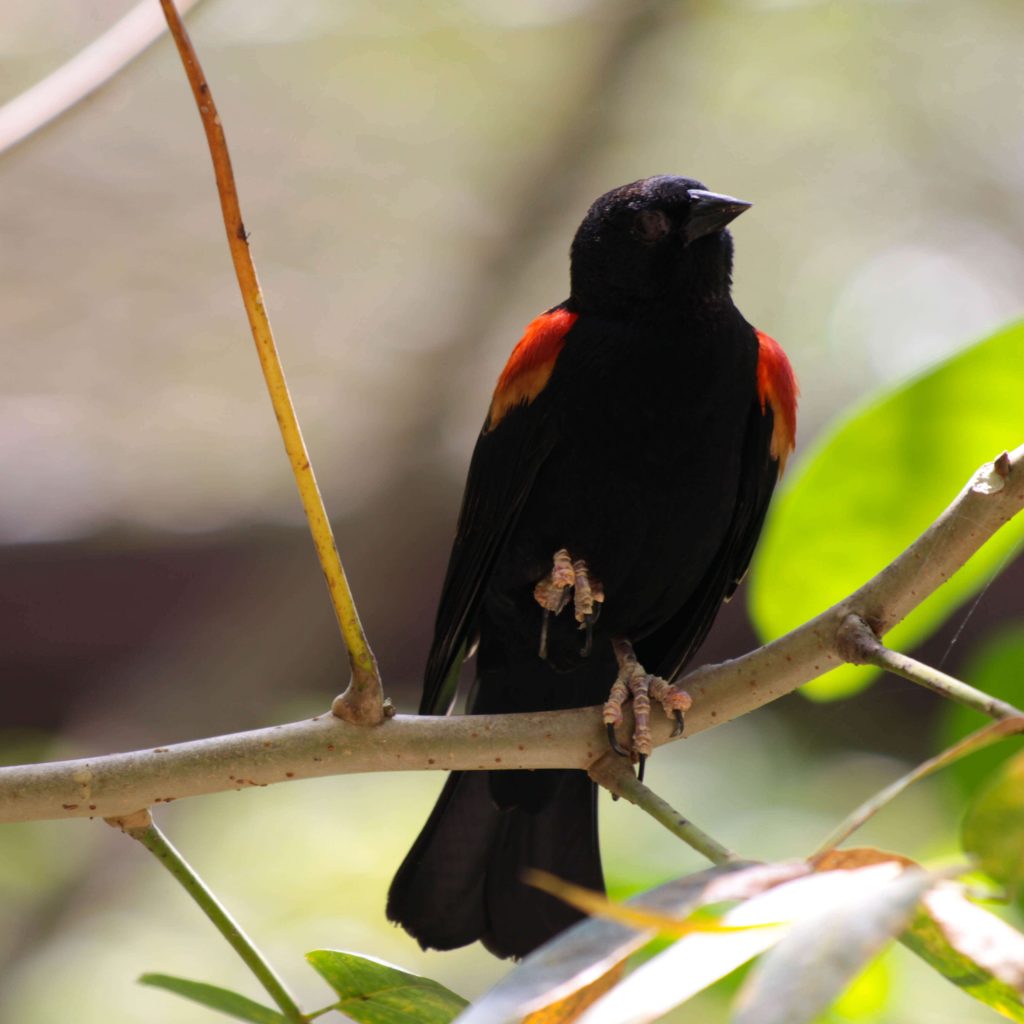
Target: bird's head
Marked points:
659	241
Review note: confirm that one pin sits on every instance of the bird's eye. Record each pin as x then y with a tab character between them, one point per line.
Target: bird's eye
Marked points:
652	225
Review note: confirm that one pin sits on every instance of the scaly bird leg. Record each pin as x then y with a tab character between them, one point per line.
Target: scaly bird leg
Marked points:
634	680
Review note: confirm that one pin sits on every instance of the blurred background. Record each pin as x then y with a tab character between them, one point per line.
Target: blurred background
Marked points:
411	175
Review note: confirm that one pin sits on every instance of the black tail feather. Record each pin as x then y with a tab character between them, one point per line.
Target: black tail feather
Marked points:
462	879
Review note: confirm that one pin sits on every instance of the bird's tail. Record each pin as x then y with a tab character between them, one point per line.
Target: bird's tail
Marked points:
462	879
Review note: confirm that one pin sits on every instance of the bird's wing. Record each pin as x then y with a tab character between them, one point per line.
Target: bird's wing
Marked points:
769	438
516	439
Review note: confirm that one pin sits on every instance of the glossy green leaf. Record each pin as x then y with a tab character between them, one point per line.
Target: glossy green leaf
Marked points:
589	949
874	481
698	960
993	829
374	992
216	998
973	948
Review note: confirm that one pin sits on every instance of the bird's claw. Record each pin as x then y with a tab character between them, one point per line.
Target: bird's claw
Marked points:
543	651
588	640
553	591
613	741
633	680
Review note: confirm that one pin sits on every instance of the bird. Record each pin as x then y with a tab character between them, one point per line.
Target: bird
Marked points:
613	501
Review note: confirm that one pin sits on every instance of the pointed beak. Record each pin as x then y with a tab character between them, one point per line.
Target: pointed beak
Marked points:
710	211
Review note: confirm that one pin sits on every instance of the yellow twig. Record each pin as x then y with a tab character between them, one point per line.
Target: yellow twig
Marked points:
362	702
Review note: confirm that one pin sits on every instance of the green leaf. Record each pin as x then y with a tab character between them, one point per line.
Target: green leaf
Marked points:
589	949
971	947
821	955
374	992
993	829
876	480
231	1003
698	960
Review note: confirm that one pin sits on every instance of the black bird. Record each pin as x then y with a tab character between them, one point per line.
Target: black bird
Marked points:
624	470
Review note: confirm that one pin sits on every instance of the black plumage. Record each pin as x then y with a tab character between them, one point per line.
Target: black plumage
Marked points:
639	426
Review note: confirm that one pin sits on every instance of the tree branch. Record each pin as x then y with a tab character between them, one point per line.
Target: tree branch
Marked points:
118	784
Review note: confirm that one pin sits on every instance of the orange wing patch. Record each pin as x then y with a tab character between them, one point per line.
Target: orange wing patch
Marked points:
776	385
529	367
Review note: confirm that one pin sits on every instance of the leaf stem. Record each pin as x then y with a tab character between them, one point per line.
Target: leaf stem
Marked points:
869	808
140	827
616	775
363	701
319	1013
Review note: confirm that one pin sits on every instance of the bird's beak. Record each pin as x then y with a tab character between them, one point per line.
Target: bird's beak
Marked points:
710	211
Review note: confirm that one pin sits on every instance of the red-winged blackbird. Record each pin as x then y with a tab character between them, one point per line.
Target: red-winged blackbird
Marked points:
624	468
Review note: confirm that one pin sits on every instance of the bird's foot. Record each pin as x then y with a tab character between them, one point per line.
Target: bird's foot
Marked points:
552	593
634	681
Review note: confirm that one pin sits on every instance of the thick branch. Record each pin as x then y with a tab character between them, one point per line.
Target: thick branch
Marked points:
119	784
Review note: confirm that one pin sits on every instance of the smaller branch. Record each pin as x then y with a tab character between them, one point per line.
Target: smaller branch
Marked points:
985	737
859	645
616	775
79	77
363	701
140	827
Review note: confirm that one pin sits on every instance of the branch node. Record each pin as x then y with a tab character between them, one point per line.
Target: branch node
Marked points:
361	703
992	477
130	823
856	642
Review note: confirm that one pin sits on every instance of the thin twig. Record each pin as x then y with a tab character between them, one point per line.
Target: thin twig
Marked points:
73	81
363	701
140	826
985	737
860	646
120	783
615	774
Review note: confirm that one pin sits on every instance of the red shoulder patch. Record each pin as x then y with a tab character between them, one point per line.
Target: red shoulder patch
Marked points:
529	367
776	385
